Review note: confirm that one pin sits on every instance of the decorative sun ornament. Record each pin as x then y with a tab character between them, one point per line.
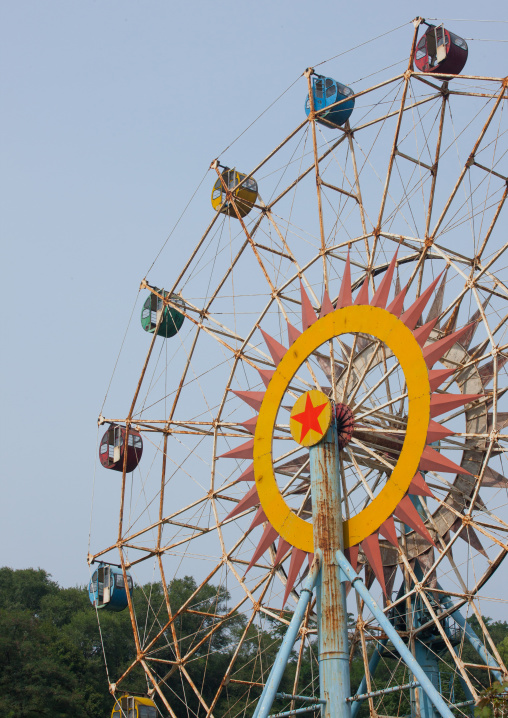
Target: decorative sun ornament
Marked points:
407	454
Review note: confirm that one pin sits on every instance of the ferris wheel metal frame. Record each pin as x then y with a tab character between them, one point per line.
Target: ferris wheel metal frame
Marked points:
331	567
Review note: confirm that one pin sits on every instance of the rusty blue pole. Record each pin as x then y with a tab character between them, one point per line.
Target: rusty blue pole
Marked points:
333	650
435	698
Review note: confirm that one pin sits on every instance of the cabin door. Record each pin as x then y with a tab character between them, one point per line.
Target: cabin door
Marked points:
319	93
117	441
107	585
325	93
156	308
436	45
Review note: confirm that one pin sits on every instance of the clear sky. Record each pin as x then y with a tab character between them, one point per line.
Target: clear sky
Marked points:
111	113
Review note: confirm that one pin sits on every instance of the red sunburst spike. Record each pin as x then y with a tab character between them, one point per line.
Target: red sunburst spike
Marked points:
252	398
436	350
418	486
436	432
381	294
438	376
407	513
297	559
363	295
351	554
282	550
441	403
437	305
345	298
370	547
248	474
244	451
268	537
293	333
326	305
258	519
266	375
423	333
413	314
397	306
432	460
388	531
250	424
308	313
276	349
250	499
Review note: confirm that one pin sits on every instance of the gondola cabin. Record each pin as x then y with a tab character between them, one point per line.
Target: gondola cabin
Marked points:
440	51
112	448
172	319
106	589
245	195
134	707
326	92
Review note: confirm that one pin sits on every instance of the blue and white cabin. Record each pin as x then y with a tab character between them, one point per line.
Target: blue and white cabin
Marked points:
327	91
106	589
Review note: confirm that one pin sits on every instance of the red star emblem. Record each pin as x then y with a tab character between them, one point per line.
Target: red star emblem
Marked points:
309	418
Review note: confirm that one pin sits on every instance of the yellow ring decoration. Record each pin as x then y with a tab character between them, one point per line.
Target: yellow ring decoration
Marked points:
390	330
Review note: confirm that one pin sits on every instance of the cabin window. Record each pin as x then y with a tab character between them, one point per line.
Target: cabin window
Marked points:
119	582
135	441
458	41
343	90
421	48
146	312
330	88
216	193
318	88
94	582
251	184
116	714
147	712
104	447
218	185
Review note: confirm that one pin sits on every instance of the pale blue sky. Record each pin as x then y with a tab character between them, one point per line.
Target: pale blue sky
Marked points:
112	112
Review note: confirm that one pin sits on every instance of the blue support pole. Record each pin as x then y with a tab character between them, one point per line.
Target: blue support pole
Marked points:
436	699
333	652
264	705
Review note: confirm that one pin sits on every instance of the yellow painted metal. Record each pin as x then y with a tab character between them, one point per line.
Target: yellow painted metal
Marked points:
245	196
316	404
125	704
390	330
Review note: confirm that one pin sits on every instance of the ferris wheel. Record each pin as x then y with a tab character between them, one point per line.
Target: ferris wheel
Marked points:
322	406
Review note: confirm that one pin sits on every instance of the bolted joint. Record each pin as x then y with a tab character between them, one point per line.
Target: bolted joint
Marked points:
308	72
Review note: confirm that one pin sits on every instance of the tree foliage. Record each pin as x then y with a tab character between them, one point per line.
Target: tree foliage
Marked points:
52	652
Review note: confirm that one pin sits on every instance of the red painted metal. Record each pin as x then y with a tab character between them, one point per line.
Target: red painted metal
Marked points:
107	448
380	297
308	313
426	57
363	295
345	298
276	349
